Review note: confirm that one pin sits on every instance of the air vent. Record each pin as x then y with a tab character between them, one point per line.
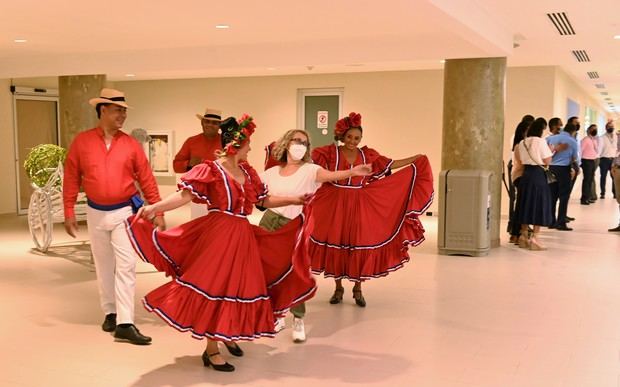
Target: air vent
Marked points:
593	74
581	55
561	22
600	85
607	99
604	93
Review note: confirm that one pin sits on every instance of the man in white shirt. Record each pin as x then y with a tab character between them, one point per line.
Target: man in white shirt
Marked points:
608	145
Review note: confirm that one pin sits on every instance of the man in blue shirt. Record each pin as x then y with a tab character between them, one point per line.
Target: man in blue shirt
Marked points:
561	167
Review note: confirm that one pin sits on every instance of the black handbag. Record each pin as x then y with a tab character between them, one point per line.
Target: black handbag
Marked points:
551	177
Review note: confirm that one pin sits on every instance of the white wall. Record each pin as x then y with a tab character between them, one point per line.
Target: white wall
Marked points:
529	90
401	110
566	87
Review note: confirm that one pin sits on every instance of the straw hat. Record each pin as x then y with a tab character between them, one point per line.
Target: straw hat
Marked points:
213	114
110	96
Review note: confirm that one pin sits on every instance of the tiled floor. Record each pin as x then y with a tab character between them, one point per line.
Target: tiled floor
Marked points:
514	318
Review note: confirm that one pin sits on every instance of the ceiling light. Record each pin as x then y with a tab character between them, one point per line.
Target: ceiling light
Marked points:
617	37
442	61
130	75
20	40
222	26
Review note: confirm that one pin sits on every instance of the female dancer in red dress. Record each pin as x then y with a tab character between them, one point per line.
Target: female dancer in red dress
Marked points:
361	227
231	279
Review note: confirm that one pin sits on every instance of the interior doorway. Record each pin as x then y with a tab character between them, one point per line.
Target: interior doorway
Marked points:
317	113
36	121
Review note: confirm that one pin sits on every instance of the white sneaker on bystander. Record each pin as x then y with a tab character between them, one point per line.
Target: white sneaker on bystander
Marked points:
299	332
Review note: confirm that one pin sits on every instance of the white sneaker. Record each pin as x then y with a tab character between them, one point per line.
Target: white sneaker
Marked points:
299	332
280	324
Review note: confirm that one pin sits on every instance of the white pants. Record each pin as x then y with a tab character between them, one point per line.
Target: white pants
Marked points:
198	210
115	261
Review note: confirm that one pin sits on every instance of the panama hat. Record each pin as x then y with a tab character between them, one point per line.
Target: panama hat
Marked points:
214	114
110	96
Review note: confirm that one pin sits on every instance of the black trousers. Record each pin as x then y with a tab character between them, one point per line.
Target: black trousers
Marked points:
588	167
605	166
560	192
512	200
515	225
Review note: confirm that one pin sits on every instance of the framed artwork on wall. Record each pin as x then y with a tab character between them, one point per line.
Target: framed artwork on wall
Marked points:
161	152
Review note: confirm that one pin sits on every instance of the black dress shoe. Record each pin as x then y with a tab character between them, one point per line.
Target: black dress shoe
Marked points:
563	227
226	367
552	226
359	298
234	349
569	219
585	202
337	296
109	324
615	229
131	334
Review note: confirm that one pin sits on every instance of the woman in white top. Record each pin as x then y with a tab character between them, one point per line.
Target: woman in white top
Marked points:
297	175
534	201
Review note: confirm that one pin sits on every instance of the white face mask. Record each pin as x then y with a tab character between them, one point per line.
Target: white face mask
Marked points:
297	151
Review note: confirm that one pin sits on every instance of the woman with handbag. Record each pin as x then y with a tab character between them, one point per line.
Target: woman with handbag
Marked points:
515	170
534	201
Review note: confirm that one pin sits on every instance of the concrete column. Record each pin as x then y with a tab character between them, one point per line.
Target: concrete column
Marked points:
473	122
76	114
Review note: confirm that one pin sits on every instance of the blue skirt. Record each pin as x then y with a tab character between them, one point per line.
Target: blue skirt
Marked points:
534	201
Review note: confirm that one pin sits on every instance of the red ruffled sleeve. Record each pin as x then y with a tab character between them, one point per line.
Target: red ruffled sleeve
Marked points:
323	155
197	181
270	161
380	164
254	183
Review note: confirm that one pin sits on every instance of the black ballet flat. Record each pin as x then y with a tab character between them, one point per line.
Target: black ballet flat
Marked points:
226	367
337	296
234	349
359	298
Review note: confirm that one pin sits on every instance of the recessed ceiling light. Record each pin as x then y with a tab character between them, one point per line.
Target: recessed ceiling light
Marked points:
20	40
222	26
617	37
130	75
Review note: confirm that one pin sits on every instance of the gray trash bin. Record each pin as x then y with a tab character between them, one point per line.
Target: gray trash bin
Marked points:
464	212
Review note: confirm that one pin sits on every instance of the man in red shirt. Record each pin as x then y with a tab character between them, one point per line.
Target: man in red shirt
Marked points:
107	163
200	147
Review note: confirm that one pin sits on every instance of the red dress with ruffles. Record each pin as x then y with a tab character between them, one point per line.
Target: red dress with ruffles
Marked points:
361	228
230	279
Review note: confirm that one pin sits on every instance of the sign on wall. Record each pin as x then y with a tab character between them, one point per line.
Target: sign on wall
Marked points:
322	117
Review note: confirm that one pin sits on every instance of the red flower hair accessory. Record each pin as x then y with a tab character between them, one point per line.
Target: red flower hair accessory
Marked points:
354	120
241	135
